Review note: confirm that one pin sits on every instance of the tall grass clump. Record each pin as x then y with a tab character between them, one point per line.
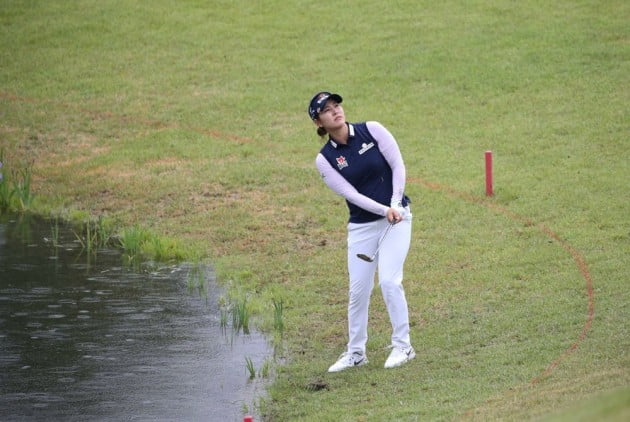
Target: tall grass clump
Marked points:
265	369
6	193
140	244
278	309
94	234
223	320
163	249
133	241
240	316
22	188
54	231
264	372
250	368
224	312
15	188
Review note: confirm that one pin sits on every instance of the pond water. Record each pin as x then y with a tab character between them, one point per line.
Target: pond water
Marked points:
84	337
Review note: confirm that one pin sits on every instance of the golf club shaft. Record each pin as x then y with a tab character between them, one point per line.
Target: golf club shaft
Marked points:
380	242
378	246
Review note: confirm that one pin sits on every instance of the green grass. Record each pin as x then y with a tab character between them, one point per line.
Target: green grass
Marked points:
189	124
610	407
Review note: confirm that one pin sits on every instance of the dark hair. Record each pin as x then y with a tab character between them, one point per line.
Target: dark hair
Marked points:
322	132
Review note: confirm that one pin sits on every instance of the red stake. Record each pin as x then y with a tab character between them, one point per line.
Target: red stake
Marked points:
489	173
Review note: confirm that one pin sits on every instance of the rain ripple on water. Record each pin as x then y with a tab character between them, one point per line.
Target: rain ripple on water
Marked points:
93	340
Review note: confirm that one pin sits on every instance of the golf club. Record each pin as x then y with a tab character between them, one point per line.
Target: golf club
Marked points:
380	242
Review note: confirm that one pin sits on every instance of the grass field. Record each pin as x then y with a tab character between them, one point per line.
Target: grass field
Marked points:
189	120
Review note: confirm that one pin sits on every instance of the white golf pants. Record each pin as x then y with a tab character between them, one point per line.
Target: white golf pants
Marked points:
363	239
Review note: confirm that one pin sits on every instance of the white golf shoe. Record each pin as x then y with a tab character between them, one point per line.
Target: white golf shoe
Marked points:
348	360
398	356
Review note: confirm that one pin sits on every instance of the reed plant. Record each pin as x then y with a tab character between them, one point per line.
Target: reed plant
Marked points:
6	193
54	231
104	232
15	187
197	280
250	368
224	313
265	369
240	315
278	309
93	234
223	319
87	238
22	188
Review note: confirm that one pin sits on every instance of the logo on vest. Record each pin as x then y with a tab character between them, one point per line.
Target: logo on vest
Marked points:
341	162
365	147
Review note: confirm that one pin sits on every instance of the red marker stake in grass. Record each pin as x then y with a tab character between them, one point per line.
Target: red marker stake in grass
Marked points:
489	173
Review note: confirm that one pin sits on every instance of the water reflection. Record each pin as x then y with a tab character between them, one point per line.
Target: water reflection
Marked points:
93	340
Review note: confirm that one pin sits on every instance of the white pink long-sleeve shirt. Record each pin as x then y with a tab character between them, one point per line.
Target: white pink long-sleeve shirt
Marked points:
368	171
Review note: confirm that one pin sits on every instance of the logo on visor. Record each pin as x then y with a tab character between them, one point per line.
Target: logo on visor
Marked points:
320	100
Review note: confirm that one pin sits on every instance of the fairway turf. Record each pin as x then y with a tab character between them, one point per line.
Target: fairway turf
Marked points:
191	121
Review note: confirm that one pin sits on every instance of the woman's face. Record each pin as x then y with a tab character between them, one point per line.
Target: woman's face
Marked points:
331	117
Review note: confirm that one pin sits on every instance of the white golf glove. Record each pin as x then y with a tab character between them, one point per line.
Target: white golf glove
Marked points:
397	205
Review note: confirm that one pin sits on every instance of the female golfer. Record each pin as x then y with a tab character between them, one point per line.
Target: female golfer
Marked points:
362	163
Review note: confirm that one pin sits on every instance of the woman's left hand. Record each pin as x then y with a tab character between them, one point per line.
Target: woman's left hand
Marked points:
394	215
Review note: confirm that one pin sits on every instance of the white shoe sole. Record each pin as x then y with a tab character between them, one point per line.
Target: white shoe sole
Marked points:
363	362
409	357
